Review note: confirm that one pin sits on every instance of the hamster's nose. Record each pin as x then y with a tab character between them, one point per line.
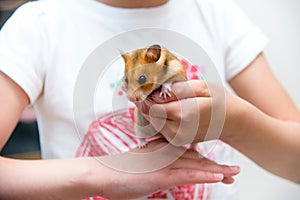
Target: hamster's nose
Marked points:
134	96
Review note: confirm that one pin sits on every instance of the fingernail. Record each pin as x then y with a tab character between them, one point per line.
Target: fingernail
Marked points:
235	168
219	176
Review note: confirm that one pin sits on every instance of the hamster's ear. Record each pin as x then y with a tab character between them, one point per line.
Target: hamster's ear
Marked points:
125	56
153	53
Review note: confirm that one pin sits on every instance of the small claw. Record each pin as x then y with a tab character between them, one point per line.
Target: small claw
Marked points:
142	143
141	146
165	91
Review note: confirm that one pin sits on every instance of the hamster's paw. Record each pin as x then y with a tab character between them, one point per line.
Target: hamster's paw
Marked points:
142	143
166	90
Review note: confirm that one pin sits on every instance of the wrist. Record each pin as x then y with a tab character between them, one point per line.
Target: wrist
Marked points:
79	178
95	178
238	112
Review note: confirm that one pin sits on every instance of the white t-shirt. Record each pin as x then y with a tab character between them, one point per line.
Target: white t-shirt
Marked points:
44	45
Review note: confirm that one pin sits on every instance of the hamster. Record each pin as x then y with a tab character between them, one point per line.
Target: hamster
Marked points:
147	70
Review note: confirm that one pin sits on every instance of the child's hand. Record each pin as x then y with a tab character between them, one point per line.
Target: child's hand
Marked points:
188	168
193	113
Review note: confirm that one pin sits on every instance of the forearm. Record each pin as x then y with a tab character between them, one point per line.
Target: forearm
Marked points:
49	179
272	143
79	178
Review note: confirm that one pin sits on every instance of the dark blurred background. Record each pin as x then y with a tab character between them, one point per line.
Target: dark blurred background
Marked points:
24	142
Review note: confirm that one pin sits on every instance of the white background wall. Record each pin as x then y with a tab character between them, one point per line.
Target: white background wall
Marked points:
280	21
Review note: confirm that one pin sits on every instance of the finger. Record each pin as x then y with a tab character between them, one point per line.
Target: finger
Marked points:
174	123
182	90
144	106
191	154
174	132
207	165
227	170
228	180
165	127
186	109
193	176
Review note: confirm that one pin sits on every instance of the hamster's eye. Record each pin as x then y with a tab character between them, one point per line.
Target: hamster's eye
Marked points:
142	79
126	80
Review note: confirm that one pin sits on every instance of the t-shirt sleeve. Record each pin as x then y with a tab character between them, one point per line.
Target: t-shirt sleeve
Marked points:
21	49
240	40
244	40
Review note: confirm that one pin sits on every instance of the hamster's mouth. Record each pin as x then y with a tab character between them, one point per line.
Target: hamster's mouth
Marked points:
153	95
142	97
